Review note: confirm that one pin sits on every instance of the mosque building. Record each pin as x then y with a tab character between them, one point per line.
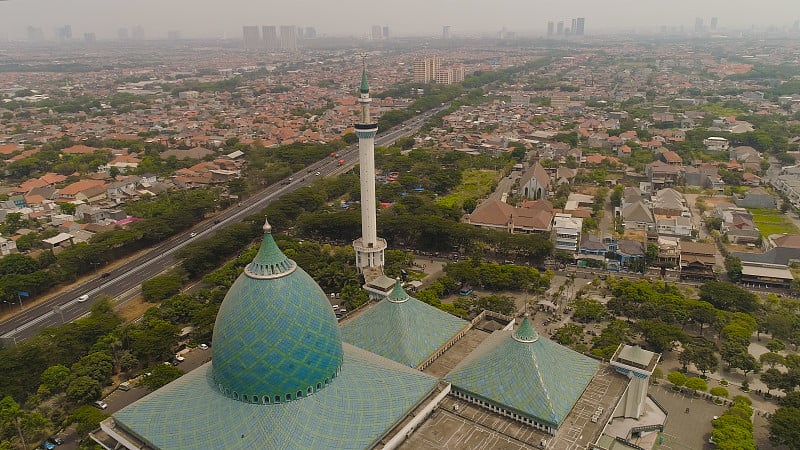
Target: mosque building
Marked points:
286	375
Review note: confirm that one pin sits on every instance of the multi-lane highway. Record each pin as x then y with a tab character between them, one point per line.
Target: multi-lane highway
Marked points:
65	307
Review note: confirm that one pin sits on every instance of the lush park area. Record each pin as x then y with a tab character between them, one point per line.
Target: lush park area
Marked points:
474	185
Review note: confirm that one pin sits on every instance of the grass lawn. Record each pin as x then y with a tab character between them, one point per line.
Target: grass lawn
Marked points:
772	221
474	184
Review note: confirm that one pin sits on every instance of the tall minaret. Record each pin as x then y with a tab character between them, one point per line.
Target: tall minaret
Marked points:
369	248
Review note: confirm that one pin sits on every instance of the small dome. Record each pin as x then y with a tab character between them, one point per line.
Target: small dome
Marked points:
276	337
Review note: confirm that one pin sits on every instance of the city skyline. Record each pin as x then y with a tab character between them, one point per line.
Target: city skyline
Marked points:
203	18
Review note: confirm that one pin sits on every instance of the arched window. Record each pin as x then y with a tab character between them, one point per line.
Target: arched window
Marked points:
299	394
288	397
310	391
266	399
277	399
244	398
236	396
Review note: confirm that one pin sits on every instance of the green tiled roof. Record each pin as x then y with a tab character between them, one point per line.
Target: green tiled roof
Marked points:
540	379
370	396
275	333
402	328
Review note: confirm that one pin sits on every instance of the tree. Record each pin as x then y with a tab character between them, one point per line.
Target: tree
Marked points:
677	379
784	427
588	310
88	418
502	304
84	389
97	365
776	345
772	378
55	379
771	359
160	375
733	266
696	384
728	297
719	391
702	356
353	296
162	287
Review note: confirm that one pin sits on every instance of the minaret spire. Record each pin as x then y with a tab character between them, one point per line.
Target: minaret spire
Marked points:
369	247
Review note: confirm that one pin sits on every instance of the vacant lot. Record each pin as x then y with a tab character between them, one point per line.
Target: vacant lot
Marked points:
772	221
475	184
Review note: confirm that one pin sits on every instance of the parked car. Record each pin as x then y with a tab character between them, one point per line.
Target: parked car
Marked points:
55	440
46	445
125	386
203	346
100	404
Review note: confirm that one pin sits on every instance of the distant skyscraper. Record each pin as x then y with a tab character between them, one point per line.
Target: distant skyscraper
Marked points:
550	28
270	36
137	33
122	34
288	37
311	33
252	37
580	23
64	33
89	38
173	35
713	23
560	28
376	33
574	26
698	24
385	32
369	247
446	32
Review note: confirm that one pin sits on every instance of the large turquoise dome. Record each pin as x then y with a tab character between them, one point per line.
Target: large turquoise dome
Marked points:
276	338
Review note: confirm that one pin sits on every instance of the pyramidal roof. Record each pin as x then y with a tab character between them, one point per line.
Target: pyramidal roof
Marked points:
402	328
525	372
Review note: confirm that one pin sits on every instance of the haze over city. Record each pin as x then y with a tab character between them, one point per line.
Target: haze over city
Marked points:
204	18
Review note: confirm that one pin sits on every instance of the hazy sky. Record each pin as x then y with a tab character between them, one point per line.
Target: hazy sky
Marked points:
196	18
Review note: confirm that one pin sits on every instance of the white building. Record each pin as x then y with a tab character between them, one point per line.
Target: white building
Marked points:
7	246
567	232
716	144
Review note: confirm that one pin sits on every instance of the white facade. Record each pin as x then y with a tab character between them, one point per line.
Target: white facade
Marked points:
7	246
567	232
369	247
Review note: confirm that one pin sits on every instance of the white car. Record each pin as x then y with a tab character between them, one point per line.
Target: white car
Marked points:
179	358
83	298
203	346
193	234
100	404
317	174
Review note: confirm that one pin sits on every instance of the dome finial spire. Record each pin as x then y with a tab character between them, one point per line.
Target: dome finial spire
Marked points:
364	85
267	227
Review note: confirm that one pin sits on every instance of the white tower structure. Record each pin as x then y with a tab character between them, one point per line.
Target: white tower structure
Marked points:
637	364
369	247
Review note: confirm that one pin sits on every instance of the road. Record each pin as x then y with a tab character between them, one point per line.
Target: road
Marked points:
65	307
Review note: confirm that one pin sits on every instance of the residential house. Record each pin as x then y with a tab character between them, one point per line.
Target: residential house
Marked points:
662	175
757	198
628	252
716	144
637	216
697	261
83	191
566	232
7	246
669	202
670	157
674	226
738	225
784	240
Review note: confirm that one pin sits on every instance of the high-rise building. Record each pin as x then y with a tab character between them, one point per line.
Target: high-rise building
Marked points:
550	28
137	33
713	23
580	23
270	35
64	33
376	33
252	37
89	38
446	32
574	26
385	32
425	69
288	37
369	247
311	33
560	28
698	24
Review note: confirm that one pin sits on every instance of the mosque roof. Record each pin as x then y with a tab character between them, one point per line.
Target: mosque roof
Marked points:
370	396
402	328
275	333
525	372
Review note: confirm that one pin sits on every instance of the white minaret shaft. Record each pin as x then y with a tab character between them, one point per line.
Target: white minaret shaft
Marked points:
369	249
